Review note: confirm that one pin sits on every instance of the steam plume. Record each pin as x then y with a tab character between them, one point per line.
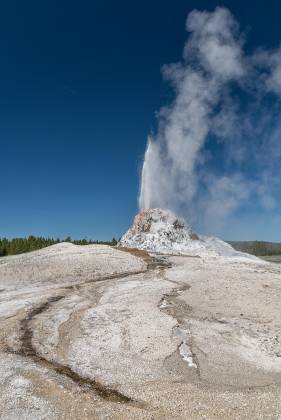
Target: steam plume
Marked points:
218	143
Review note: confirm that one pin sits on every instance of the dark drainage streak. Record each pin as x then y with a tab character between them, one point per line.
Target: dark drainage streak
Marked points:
28	350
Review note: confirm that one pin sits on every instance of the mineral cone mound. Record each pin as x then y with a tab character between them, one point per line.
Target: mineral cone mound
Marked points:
159	230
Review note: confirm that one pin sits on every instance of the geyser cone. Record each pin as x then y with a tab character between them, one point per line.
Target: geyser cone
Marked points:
158	230
161	231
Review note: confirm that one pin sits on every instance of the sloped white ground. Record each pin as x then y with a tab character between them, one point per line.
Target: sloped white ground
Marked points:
200	339
64	262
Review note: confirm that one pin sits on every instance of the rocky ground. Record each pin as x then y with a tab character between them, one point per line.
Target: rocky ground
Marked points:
100	333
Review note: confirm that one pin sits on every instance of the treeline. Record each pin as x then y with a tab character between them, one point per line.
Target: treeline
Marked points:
259	248
21	245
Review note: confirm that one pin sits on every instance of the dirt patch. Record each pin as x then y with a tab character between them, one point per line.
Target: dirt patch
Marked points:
152	262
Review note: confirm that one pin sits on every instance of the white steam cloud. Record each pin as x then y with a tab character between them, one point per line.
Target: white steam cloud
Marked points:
218	144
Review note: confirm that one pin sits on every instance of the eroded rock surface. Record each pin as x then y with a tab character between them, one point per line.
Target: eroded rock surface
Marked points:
95	332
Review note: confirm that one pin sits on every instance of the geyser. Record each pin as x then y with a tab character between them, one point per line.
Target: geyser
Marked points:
217	145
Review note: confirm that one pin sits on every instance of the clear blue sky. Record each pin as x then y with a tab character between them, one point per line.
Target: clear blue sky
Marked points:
80	84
